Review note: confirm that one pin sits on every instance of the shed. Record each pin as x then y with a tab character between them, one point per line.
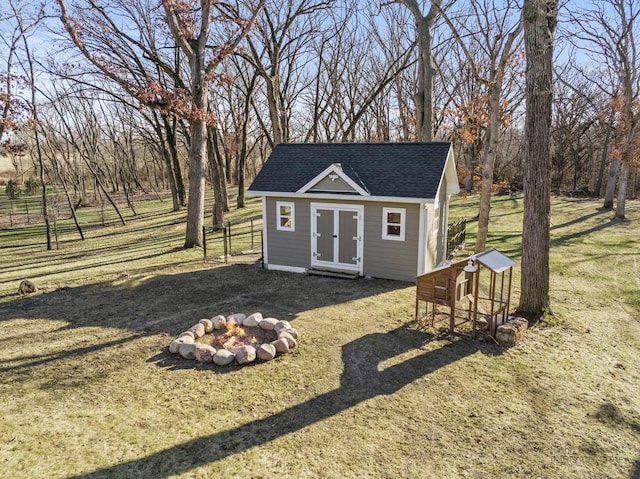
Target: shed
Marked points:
367	209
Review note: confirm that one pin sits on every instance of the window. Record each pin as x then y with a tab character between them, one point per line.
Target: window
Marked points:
285	216
393	223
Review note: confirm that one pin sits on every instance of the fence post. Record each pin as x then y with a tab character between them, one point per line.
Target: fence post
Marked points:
229	236
251	234
224	238
204	243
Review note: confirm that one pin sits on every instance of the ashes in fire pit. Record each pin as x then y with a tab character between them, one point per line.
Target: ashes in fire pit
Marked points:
235	338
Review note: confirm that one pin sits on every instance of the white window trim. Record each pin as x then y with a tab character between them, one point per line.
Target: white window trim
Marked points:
403	223
279	216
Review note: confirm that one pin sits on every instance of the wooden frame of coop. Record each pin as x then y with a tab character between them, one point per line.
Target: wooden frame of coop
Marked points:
449	286
458	285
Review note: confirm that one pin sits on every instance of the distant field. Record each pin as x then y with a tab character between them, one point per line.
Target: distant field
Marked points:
89	390
6	169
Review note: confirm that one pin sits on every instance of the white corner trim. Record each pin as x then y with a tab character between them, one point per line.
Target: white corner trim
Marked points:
288	269
422	241
336	170
265	257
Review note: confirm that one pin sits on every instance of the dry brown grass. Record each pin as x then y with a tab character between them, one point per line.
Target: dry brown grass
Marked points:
89	390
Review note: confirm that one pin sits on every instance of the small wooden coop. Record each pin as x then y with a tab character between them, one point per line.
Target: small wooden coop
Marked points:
457	292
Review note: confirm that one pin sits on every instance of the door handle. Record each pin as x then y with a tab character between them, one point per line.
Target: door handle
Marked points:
335	236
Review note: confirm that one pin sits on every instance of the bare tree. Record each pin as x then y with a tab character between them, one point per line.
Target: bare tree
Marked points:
26	22
281	39
12	106
608	32
191	26
539	19
495	33
426	70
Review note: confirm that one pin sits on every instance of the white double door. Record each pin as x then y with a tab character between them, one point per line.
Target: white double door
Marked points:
337	236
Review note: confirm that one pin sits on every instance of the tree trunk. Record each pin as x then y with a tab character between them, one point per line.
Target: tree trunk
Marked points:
603	163
610	188
273	93
539	19
217	179
195	205
424	91
176	169
623	181
488	166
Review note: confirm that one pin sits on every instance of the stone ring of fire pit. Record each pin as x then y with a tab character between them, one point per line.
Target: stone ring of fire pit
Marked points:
236	338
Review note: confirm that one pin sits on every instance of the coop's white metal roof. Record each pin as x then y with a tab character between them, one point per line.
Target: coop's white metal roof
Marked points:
495	261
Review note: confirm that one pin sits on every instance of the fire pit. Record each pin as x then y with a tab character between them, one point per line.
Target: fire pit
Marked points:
236	338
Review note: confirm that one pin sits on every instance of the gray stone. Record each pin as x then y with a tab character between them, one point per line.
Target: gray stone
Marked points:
219	322
281	325
188	350
236	319
187	333
26	287
290	339
223	357
174	347
204	353
252	320
268	324
197	330
281	345
208	325
266	352
292	331
246	354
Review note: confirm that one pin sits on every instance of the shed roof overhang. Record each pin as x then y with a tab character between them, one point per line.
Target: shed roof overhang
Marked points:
340	196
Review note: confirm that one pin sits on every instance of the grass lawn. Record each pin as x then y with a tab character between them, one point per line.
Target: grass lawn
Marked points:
88	388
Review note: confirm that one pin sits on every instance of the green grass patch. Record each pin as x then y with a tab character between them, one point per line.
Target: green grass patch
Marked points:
88	388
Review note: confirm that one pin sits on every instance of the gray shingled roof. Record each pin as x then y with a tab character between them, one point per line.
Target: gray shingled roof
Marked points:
409	170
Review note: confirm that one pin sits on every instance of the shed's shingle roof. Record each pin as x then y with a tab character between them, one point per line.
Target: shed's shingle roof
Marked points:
410	170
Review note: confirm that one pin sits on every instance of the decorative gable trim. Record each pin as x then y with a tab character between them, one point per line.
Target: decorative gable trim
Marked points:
334	171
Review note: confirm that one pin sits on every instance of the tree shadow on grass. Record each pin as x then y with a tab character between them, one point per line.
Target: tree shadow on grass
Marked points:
605	222
170	303
363	378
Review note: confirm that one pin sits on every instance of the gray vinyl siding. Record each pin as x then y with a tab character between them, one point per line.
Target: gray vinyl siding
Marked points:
289	248
382	258
387	258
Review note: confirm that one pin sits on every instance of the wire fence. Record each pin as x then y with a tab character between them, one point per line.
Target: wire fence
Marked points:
20	211
456	236
233	238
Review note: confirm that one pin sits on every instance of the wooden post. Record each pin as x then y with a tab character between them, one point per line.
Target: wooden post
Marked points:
224	238
204	243
452	299
475	297
251	234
